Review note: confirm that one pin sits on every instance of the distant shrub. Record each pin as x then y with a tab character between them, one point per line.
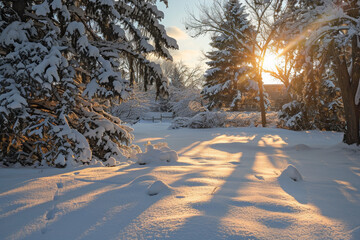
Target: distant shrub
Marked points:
224	119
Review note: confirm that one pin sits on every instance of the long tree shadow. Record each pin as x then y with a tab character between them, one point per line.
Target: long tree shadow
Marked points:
207	224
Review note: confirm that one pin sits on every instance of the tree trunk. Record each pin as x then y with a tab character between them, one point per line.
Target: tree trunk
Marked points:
348	91
19	6
262	104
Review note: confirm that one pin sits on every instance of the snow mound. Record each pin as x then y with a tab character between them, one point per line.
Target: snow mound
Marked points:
145	179
157	153
157	187
302	147
111	162
292	173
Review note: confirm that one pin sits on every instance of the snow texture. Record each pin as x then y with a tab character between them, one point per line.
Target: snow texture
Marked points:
225	185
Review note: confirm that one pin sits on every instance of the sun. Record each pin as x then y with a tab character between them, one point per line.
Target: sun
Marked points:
270	61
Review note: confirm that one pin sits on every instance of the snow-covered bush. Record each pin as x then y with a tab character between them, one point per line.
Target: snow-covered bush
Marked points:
133	109
186	102
180	122
157	153
208	120
293	116
323	110
59	60
224	119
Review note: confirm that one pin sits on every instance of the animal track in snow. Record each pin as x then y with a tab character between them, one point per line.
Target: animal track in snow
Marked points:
50	215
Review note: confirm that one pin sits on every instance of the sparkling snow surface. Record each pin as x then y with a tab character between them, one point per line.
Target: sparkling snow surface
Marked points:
226	184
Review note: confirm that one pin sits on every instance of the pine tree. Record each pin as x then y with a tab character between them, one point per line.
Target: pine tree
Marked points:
58	61
229	65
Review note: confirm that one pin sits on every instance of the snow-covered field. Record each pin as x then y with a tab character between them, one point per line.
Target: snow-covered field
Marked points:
227	184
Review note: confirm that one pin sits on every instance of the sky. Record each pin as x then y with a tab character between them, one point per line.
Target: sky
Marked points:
190	49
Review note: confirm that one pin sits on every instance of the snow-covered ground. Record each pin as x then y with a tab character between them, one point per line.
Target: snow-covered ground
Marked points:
227	184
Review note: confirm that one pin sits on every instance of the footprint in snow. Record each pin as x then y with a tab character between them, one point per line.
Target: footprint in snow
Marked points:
59	185
56	196
50	215
234	163
260	177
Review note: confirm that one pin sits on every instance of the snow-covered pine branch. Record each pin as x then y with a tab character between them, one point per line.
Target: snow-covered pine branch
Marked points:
59	60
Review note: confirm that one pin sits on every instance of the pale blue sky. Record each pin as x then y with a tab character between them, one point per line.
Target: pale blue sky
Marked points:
190	48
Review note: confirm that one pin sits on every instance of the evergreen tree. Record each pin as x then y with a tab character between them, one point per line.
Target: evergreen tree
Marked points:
58	59
229	65
315	104
325	35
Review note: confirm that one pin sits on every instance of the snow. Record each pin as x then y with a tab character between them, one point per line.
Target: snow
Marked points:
156	153
42	9
111	162
15	32
292	173
156	188
76	26
226	184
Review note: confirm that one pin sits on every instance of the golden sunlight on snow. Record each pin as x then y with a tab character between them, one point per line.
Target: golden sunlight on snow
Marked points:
272	141
228	186
145	140
204	192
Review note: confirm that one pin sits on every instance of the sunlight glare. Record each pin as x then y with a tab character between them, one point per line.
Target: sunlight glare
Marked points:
270	61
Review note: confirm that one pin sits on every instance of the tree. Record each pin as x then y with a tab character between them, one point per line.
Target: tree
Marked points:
314	104
229	69
262	16
59	60
331	27
184	88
